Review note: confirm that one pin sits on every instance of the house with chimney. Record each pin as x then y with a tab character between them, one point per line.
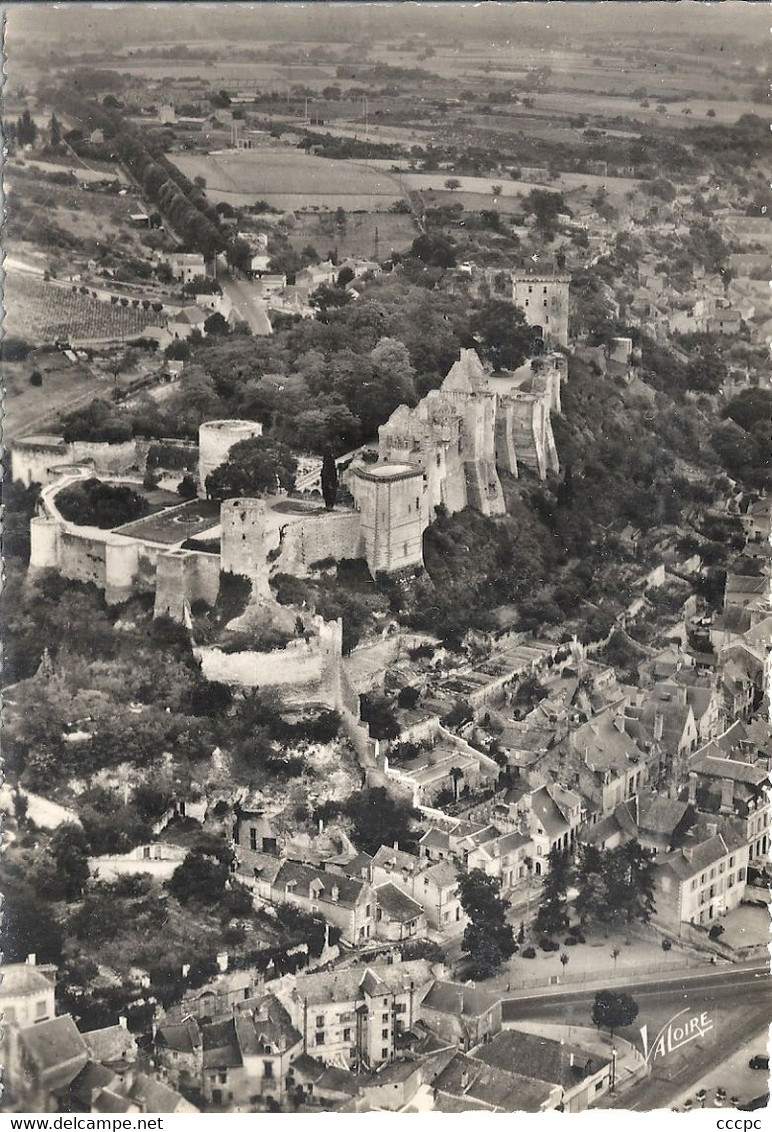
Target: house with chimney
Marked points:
468	1084
236	1064
354	1016
345	903
434	886
461	1013
580	1076
704	877
733	787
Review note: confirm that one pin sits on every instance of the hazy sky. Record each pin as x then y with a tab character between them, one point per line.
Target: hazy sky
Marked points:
89	26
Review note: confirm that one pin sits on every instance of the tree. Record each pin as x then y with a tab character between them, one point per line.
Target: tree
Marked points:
55	130
216	324
380	818
93	503
545	207
505	338
613	1010
496	190
434	250
552	916
488	938
326	298
452	184
69	849
26	129
254	467
203	875
187	488
329	480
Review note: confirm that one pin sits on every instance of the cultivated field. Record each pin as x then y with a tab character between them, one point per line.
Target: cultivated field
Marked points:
357	237
42	312
289	179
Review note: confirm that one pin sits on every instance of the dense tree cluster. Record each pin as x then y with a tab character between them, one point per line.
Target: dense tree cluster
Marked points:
488	939
93	503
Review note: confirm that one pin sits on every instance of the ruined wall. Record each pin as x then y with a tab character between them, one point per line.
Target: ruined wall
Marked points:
82	558
183	577
329	534
31	460
121	562
110	459
531	428
304	671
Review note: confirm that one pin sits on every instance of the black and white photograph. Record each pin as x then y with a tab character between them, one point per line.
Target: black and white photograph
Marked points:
386	613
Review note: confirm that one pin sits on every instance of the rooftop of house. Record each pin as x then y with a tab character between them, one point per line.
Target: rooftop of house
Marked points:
459	999
660	815
18	979
479	1085
396	860
56	1049
111	1044
548	813
153	1095
264	1026
346	985
397	905
183	1037
335	1080
331	888
713	766
221	1046
540	1058
436	839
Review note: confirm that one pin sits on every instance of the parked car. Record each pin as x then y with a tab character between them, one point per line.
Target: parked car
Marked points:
759	1061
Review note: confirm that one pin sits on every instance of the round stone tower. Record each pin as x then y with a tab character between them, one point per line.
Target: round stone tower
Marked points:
215	440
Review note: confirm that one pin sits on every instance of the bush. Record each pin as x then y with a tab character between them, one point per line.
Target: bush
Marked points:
570	941
14	349
666	945
36	378
716	931
97	504
548	945
528	953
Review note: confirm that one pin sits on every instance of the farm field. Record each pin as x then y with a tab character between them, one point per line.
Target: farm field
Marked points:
41	312
289	179
357	238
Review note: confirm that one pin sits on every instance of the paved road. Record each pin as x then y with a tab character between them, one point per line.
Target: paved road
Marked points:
739	1000
246	302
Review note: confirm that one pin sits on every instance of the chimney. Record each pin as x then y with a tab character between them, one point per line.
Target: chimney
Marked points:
692	788
571	1059
321	825
185	970
464	1079
335	894
395	845
222	961
712	828
688	852
32	959
727	796
123	1022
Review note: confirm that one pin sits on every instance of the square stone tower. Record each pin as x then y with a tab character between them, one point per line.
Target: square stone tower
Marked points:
393	505
543	298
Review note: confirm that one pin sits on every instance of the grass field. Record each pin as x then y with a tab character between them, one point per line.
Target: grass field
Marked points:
41	312
289	179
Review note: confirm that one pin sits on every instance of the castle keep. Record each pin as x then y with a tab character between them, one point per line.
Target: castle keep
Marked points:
447	451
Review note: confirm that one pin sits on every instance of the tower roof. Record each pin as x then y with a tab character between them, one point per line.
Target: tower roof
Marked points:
467	375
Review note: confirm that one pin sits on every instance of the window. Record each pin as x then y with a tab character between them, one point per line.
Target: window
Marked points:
741	874
545	302
721	867
530	289
385	1002
253	839
268	1069
417	503
347	1035
385	1017
41	1009
712	873
320	1021
367	911
694	885
731	862
598	1086
320	1037
222	1078
730	881
384	1054
545	290
526	302
385	1034
404	551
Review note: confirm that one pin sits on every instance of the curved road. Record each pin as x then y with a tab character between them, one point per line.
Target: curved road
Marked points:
739	1000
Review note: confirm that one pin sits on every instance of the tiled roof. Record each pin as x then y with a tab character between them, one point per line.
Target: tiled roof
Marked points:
263	1022
153	1095
480	1085
436	839
540	1058
658	814
397	905
442	874
343	985
184	1037
458	999
221	1047
110	1044
56	1049
547	812
714	767
689	860
304	878
335	1080
22	978
397	859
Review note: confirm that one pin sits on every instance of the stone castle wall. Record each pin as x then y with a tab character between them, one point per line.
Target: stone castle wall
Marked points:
311	669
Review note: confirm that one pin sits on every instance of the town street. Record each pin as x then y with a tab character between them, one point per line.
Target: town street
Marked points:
739	1001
